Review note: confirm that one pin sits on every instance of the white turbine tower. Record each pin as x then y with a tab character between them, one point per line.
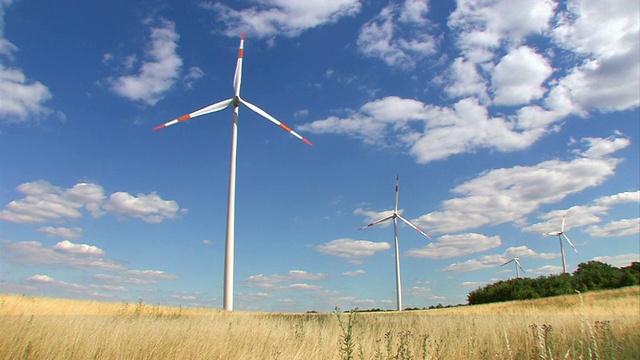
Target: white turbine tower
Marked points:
560	234
236	100
395	216
518	266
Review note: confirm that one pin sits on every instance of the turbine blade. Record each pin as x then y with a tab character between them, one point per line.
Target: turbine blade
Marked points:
564	218
395	209
274	120
508	262
237	78
520	266
206	110
377	222
413	226
570	243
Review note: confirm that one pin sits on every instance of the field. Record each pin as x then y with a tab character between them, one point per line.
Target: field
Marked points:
596	325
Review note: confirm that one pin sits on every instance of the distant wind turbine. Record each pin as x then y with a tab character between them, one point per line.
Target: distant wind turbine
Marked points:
236	100
560	234
395	216
518	266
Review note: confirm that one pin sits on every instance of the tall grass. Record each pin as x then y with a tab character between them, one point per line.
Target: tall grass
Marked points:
601	325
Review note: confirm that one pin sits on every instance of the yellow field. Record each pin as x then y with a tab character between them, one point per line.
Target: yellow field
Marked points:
597	325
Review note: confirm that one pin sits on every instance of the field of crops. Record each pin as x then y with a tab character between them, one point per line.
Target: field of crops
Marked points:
596	325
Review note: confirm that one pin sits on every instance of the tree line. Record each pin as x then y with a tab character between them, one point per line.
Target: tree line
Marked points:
593	275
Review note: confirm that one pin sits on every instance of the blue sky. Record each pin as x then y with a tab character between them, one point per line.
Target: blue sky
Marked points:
497	116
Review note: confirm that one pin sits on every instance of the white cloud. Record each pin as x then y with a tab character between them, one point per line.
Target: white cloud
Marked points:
158	73
429	132
608	78
21	99
582	215
41	278
483	26
495	260
624	227
473	284
519	76
66	255
44	202
512	193
450	246
618	260
294	276
379	38
45	279
150	208
63	232
464	79
282	17
152	274
68	247
193	74
354	273
628	197
599	147
546	270
352	250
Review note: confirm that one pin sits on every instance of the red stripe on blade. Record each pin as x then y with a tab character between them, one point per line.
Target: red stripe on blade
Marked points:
185	117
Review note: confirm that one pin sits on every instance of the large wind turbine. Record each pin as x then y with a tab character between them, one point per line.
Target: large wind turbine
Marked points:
395	216
518	266
560	234
236	100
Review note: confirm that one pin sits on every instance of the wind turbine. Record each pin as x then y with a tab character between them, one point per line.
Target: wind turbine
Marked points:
395	216
236	101
560	234
518	266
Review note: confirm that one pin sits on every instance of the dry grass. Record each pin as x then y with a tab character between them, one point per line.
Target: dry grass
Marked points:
603	325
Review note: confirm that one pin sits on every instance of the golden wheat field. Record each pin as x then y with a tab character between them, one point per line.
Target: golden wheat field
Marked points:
596	325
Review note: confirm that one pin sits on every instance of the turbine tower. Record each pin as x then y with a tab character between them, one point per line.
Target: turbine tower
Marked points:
518	266
395	216
236	101
560	234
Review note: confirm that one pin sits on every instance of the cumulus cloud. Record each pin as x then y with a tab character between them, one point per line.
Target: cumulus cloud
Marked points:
609	76
150	208
495	260
582	215
269	18
508	93
354	273
385	37
429	132
352	250
624	227
45	279
63	232
68	247
275	281
159	70
45	202
64	254
484	26
618	260
450	246
21	98
519	76
512	193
